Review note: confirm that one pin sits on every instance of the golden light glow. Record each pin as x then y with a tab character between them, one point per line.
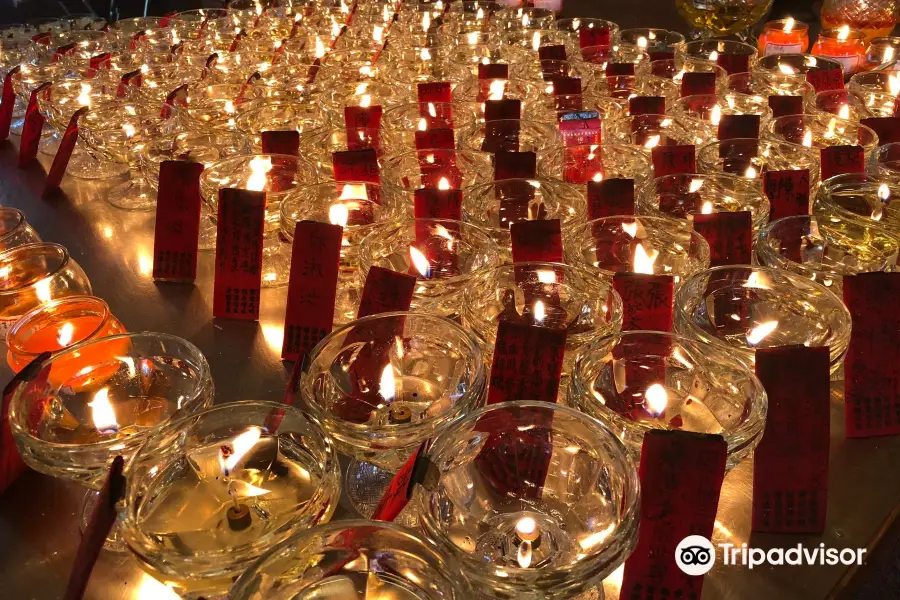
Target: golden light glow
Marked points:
239	447
546	276
789	24
424	54
656	399
716	115
497	89
42	290
102	412
594	539
695	185
884	192
365	101
431	110
630	228
893	82
750	173
536	41
598	176
707	208
426	21
320	48
643	261
540	313
419	261
759	333
386	387
354	191
443	184
757	281
642	42
259	167
843	33
888	56
844	111
786	69
523	554
423	124
652	142
84	98
150	588
527	529
713	55
129	130
472	37
64	337
378	33
338	214
242	489
229	107
807	139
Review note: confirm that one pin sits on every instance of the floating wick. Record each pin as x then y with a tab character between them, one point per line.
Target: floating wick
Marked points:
527	531
238	516
399	414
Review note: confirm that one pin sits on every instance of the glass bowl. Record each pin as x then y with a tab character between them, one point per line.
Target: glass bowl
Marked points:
281	115
572	297
14	229
646	132
636	381
420	169
338	560
445	256
825	251
34	273
767	83
383	384
536	500
864	200
209	493
702	114
710	51
750	158
625	244
885	161
510	135
820	131
741	308
683	195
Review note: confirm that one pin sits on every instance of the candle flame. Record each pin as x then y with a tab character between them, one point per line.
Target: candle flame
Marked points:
84	98
536	41
695	185
707	208
884	193
525	20
652	141
540	313
423	124
756	281
378	33
843	33
431	110
472	37
443	184
229	107
338	214
789	24
64	337
750	173
642	42
42	290
354	191
893	83
102	412
365	101
786	69
758	333
716	115
425	54
259	167
630	228
231	454
497	89
596	538
807	139
129	130
527	529
643	261
320	48
598	176
420	262
387	387
242	489
844	111
656	399
426	21
713	55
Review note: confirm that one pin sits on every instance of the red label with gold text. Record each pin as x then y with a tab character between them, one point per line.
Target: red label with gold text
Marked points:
239	247
673	159
175	239
536	241
610	197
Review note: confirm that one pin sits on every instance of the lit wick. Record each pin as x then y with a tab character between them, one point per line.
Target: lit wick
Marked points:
238	514
527	531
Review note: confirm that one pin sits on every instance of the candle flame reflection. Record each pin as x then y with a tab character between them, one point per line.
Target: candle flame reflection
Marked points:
420	262
540	313
843	33
788	24
656	399
523	555
102	413
759	333
643	261
64	337
259	167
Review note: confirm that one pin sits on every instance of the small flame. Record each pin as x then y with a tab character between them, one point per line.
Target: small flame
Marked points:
844	33
497	89
361	89
716	115
630	228
420	262
338	214
756	281
707	208
443	184
713	55
354	191
807	139
884	193
387	387
786	69
472	37
844	111
423	124
695	185
523	554
536	41
788	24
242	489
525	20
378	33
598	176
424	54
652	141
656	399
426	21
320	48
229	107
642	42
231	454
893	82
546	276
129	130
431	110
540	313
84	98
480	14
750	173
365	101
527	529
259	167
643	261
758	333
64	337
102	412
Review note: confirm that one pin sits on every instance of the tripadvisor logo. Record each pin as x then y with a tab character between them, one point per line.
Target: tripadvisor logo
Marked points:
696	555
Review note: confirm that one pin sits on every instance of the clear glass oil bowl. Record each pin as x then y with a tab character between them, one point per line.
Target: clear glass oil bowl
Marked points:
414	170
534	467
636	381
750	158
741	308
865	200
263	460
825	251
703	113
573	298
820	131
445	256
352	559
14	229
281	115
667	246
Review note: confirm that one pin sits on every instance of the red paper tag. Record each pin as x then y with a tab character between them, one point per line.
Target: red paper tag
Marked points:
360	117
786	105
838	160
580	129
887	128
11	465
493	71
536	241
730	237
790	464
164	22
521	349
788	192
610	197
567	86
64	152
435	91
697	82
665	54
400	489
8	102
589	37
646	105
101	61
738	126
34	125
281	142
501	136
177	97
135	40
552	52
66	50
312	288
175	239
132	78
431	203
515	165
871	394
497	110
673	159
734	63
254	77
42	38
826	79
356	165
681	478
435	139
385	291
646	301
239	248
